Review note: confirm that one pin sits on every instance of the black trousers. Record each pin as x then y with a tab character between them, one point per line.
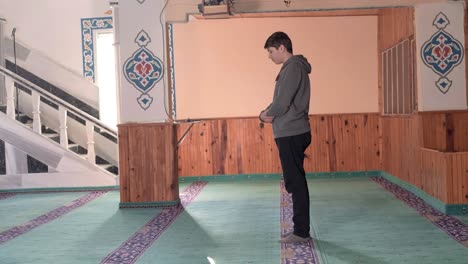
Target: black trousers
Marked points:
291	151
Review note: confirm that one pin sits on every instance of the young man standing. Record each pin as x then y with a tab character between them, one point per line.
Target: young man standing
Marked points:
288	114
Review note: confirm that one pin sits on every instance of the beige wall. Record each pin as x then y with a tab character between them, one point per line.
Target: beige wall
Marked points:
222	70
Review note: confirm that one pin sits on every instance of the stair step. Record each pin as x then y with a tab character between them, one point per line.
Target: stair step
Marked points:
72	145
23	118
50	135
48	130
113	170
29	123
105	166
77	148
83	156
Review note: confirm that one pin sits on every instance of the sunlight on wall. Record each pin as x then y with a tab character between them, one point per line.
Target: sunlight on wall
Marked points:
105	62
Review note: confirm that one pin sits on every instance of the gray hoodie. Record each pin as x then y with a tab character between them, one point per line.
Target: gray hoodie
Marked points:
290	106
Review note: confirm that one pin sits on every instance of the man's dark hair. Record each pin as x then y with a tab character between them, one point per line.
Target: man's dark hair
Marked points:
277	39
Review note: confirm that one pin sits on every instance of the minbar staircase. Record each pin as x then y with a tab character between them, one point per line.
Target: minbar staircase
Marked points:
35	166
54	118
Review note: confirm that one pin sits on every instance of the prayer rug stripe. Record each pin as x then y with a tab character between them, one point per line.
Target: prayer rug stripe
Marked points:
451	225
292	253
139	242
11	233
4	196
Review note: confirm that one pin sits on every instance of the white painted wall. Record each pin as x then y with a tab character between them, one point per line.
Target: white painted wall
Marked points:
52	26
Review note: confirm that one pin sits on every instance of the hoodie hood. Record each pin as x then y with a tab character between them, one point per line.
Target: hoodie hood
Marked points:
301	60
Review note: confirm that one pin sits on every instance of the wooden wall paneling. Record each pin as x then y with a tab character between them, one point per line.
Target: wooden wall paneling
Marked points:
147	153
234	137
400	147
228	146
124	170
347	142
369	142
259	152
434	174
417	141
194	153
460	172
449	145
459	163
387	149
454	181
395	24
326	13
331	138
414	141
346	147
339	128
433	129
137	143
357	142
321	155
445	131
218	146
171	181
460	131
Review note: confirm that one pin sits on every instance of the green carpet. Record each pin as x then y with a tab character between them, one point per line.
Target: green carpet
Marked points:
85	235
230	222
463	218
24	207
356	221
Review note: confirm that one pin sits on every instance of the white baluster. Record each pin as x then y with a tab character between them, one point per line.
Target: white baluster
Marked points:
10	97
90	136
63	126
36	101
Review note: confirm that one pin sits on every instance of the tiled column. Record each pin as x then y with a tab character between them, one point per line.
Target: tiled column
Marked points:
147	149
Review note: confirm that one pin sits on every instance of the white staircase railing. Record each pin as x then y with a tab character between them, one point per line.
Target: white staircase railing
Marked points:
63	108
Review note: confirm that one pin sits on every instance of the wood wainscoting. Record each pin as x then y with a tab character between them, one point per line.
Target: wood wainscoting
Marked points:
445	131
415	148
147	164
341	142
445	175
400	147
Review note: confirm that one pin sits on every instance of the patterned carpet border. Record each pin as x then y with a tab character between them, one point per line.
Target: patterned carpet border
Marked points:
299	252
4	196
14	232
452	226
140	241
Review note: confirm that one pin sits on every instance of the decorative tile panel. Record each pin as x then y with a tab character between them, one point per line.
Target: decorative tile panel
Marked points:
173	83
143	69
442	52
88	26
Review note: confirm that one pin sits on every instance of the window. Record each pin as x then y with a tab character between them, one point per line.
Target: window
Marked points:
398	79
